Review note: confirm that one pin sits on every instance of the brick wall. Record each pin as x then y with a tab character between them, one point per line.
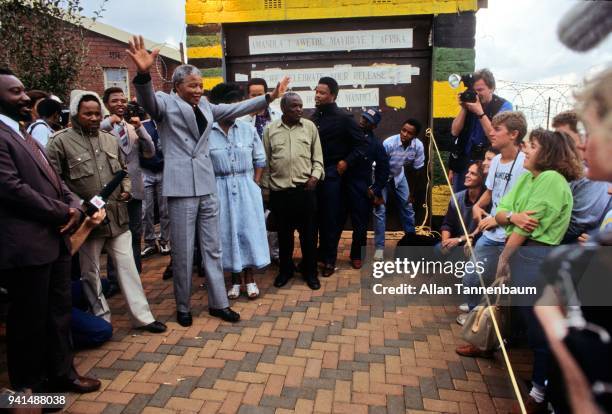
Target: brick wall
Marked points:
105	52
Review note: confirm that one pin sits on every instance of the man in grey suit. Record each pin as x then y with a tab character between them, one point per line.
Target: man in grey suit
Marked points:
184	121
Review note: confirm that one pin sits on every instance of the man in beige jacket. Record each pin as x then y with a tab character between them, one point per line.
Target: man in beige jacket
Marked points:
86	159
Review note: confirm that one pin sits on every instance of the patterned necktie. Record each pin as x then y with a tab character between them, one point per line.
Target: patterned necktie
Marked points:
42	160
123	136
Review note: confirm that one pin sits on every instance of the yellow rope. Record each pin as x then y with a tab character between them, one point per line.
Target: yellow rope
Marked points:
500	339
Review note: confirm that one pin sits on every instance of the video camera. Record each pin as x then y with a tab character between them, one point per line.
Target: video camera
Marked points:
469	94
134	110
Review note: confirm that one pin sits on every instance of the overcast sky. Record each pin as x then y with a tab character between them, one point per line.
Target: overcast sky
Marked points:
516	39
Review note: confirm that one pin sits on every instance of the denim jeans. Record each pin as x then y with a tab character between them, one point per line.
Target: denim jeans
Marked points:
487	252
525	271
402	193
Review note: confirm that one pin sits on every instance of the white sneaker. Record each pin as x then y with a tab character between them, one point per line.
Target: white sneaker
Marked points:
464	308
148	251
379	255
164	248
234	292
462	318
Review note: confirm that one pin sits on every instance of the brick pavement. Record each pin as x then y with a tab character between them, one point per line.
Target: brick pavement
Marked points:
294	351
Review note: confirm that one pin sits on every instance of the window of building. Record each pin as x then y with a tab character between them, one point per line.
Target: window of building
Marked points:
116	77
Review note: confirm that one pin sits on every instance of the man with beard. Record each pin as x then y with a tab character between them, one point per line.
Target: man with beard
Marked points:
37	214
87	158
344	145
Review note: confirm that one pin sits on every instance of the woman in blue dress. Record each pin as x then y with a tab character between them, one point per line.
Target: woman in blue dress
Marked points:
238	160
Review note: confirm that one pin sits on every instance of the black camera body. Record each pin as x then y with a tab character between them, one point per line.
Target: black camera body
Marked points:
134	110
469	95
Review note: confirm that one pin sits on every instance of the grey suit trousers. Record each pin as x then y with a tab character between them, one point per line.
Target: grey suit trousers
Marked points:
187	213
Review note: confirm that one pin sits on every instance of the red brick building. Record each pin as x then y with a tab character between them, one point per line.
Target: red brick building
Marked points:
109	65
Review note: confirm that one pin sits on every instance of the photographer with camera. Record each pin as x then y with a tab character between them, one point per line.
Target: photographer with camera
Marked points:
472	126
134	140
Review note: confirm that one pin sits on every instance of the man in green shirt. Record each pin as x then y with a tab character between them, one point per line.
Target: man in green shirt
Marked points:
295	166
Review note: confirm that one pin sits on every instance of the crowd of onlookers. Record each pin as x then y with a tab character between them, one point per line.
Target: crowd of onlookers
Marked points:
231	179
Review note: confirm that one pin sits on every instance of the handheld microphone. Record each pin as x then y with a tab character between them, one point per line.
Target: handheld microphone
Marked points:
98	201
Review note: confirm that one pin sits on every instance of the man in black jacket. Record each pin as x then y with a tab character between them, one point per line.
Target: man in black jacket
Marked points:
344	145
365	182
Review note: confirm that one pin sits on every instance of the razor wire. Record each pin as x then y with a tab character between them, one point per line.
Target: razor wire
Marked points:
540	102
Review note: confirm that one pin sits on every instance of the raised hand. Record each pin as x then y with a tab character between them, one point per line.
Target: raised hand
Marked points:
281	88
139	54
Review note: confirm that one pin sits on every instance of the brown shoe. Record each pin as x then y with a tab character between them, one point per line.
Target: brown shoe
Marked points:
356	263
79	385
532	407
473	352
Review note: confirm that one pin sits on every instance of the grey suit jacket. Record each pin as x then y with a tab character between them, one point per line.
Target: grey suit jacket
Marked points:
188	170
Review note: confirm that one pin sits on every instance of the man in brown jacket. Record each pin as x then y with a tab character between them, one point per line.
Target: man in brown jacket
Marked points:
37	214
87	158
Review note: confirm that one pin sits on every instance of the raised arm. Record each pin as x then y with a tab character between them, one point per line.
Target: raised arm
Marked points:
249	106
144	60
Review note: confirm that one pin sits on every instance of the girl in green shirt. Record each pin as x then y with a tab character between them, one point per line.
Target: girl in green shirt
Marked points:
536	214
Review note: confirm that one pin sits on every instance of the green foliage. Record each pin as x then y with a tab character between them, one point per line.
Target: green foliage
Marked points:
43	42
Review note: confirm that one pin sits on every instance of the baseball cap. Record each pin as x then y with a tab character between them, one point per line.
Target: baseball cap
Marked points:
372	115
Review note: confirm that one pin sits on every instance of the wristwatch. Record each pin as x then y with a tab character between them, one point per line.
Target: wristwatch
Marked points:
481	115
509	217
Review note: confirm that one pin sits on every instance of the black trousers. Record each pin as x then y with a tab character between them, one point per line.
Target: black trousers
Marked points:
39	344
360	208
295	209
332	198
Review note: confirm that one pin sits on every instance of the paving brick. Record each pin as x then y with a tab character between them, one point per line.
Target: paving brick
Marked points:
250	409
324	400
230	370
319	383
304	340
207	380
249	362
185	387
441	406
184	404
287	347
443	379
304	406
113	409
253	394
413	398
429	388
359	357
137	404
295	375
115	397
336	374
161	397
141	388
274	385
278	402
226	385
269	354
208	394
231	404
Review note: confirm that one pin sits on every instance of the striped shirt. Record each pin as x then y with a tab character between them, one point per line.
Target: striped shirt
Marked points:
413	155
